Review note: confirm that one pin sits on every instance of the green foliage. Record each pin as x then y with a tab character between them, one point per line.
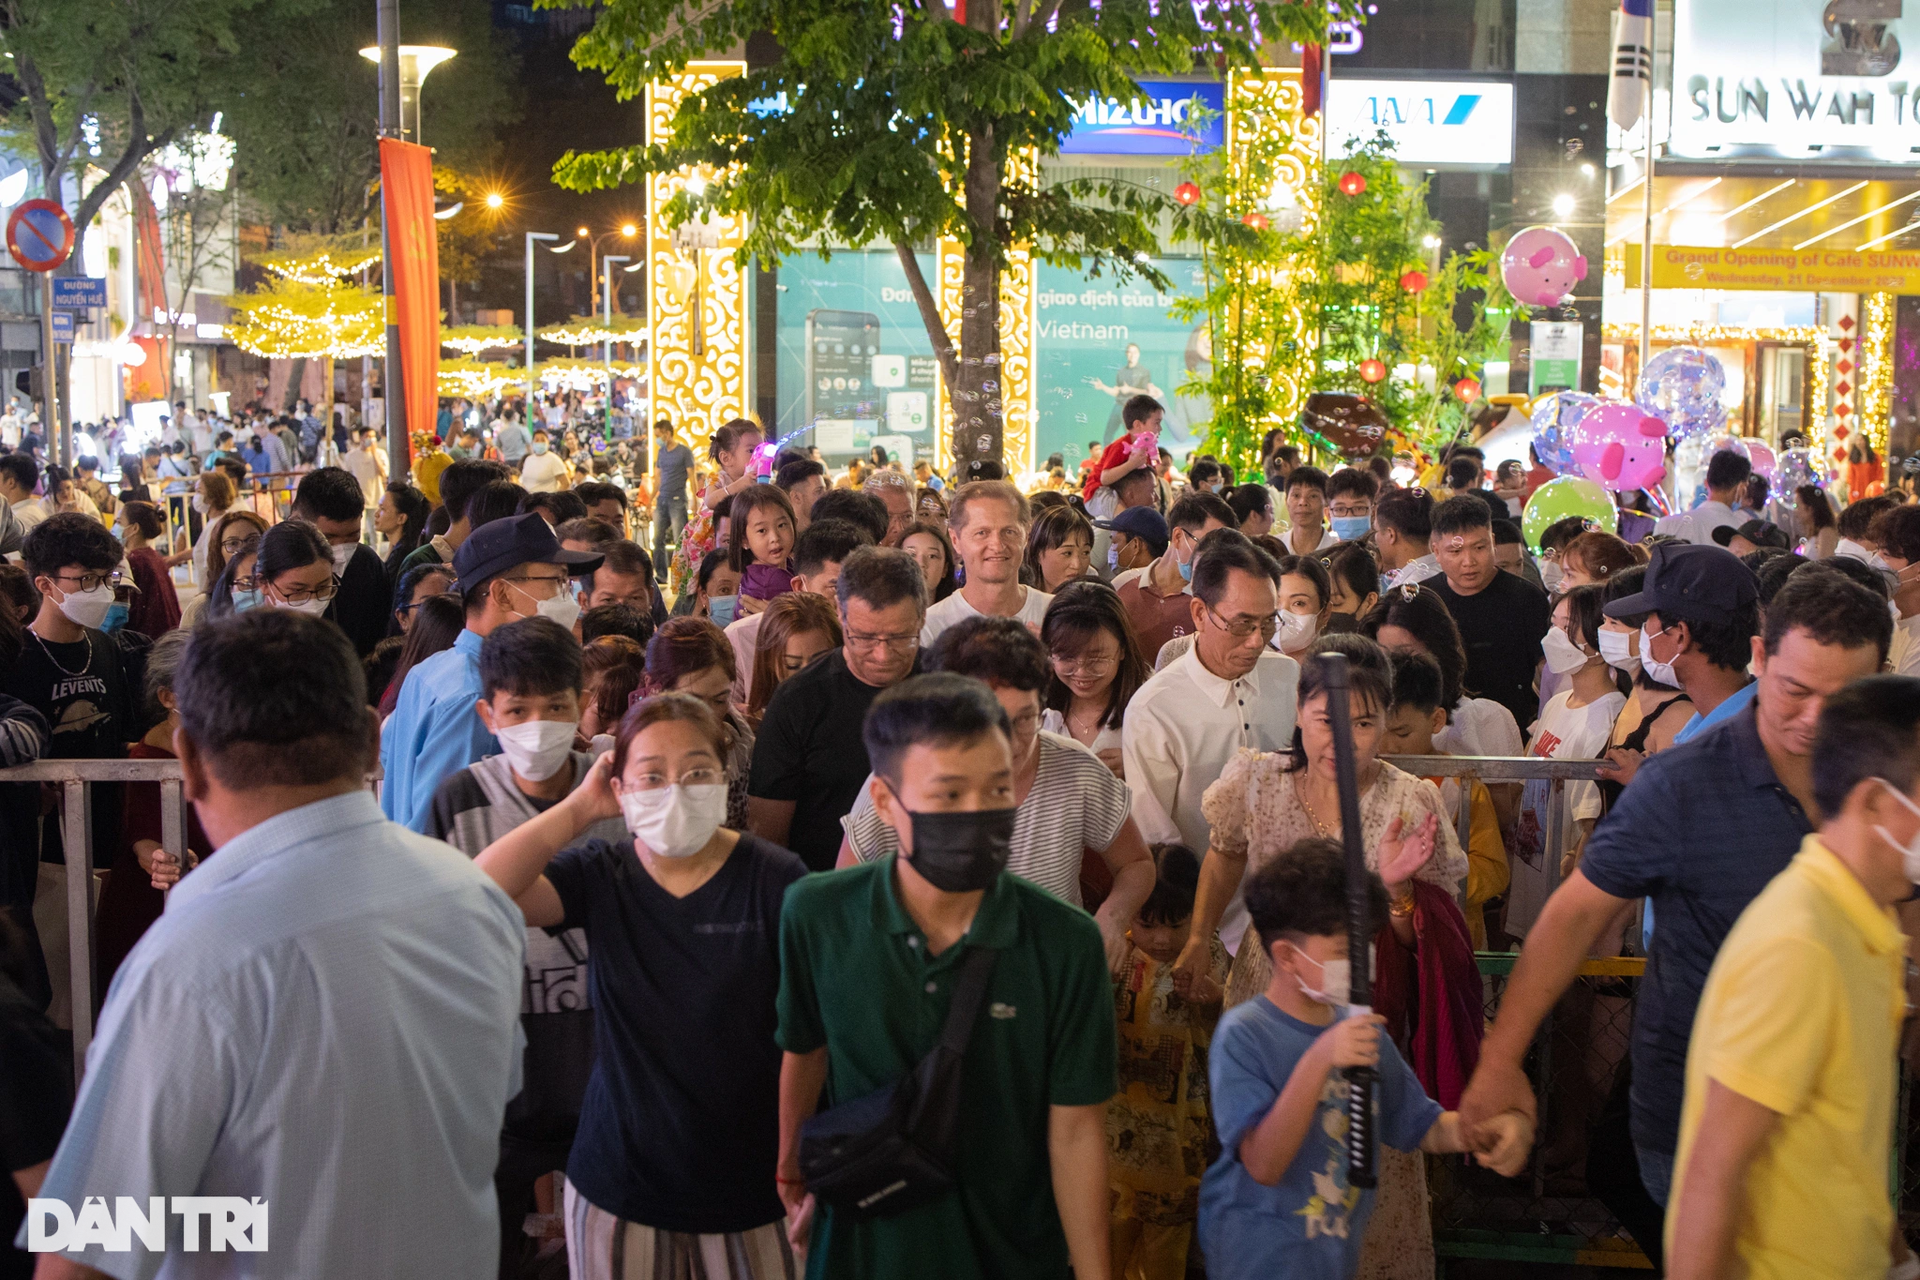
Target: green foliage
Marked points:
1297	311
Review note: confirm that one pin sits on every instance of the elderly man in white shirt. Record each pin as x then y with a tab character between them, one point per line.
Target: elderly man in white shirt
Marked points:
1230	691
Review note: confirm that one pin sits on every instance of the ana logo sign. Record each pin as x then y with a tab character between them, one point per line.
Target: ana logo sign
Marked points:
1436	123
232	1222
1177	118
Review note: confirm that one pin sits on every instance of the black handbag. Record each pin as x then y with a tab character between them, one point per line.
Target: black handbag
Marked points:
892	1150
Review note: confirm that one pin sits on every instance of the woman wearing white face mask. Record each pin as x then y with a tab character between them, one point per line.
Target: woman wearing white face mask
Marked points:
1306	601
679	1130
1653	712
1575	725
295	568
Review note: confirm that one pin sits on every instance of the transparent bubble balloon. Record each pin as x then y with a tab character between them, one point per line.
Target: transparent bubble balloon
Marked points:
1724	443
1553	418
1683	385
1792	469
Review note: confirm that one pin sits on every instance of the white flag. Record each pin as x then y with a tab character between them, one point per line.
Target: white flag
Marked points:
1630	92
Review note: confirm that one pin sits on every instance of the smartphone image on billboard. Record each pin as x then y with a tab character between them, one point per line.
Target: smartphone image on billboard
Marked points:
841	346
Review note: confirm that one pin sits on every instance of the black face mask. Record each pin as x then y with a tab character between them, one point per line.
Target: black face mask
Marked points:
961	852
1340	624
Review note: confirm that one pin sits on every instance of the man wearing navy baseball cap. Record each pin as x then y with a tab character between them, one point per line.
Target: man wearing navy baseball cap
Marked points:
1139	535
506	569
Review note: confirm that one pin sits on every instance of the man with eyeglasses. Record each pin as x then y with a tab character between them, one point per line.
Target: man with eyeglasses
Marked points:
72	673
508	569
1227	693
895	491
808	760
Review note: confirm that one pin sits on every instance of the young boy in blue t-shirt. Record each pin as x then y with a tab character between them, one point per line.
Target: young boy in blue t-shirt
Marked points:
1277	1201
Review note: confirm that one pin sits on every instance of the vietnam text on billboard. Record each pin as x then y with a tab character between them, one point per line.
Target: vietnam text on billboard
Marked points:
1812	270
1431	122
1164	123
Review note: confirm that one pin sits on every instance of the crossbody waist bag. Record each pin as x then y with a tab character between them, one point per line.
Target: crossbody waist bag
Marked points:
892	1150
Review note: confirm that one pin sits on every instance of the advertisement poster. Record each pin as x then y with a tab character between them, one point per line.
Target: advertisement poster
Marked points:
1556	356
854	359
1099	341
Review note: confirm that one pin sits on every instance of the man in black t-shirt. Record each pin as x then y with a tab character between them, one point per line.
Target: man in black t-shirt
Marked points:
71	672
1502	617
809	761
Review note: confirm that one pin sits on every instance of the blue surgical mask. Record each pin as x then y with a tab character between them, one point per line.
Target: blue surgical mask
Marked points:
1186	572
245	600
539	446
116	617
1351	528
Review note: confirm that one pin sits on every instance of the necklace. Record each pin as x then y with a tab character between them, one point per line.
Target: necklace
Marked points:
84	639
1088	729
1312	817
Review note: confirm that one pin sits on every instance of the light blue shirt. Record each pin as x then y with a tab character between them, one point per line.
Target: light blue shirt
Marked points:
1726	711
326	1017
514	442
434	731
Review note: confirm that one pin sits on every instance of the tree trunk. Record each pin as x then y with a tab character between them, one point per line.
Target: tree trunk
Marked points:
296	377
978	423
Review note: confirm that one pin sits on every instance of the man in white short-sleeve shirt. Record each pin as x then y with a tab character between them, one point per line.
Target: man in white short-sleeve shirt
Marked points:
988	521
1230	691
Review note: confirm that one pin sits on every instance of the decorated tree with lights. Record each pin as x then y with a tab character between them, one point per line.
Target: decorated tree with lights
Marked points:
905	124
311	307
1324	281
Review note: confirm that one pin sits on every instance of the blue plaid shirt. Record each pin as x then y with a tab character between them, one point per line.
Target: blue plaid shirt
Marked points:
326	1017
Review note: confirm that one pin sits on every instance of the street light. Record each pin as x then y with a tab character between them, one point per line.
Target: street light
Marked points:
495	200
606	354
416	61
627	230
527	420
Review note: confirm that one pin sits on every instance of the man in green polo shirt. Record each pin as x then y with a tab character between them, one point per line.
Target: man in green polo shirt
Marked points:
868	959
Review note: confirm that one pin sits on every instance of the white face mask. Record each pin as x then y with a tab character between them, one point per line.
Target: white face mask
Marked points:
1296	632
341	555
1617	648
1550	575
563	608
537	748
675	821
1909	853
1657	671
87	608
1336	982
1563	656
310	606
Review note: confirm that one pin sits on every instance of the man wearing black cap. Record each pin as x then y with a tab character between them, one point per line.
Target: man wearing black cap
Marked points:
507	569
1750	537
1138	535
1699	833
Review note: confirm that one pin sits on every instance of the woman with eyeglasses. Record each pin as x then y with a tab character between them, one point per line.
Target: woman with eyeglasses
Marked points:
295	568
1095	664
437	623
672	1167
421	583
225	537
236	589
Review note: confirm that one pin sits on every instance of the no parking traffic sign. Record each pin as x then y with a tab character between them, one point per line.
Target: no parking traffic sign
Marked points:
39	235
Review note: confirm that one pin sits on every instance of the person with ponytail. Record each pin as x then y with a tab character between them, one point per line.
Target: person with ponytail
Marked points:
731	451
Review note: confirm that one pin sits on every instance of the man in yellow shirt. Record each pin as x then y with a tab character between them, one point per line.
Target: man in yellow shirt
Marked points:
1783	1161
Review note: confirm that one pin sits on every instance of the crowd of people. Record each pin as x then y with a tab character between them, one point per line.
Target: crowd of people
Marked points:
882	874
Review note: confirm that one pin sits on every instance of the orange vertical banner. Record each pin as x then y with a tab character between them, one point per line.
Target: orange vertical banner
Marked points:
406	186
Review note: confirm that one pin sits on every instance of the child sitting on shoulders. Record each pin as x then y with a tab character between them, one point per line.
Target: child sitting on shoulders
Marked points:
760	541
1159	1136
1278	1200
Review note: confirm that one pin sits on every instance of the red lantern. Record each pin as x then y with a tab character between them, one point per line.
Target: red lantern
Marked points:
1372	371
1187	193
1414	281
1467	389
1352	184
1258	221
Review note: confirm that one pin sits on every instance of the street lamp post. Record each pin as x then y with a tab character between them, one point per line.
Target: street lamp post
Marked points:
402	69
626	231
527	414
606	293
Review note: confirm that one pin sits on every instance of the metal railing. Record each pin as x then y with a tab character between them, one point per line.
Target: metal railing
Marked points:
75	779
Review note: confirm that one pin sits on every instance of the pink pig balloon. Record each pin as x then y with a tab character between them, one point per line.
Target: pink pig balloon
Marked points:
1540	266
1620	447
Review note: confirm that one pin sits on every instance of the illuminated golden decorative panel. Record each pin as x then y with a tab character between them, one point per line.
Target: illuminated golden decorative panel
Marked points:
949	288
1264	120
696	295
1876	369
